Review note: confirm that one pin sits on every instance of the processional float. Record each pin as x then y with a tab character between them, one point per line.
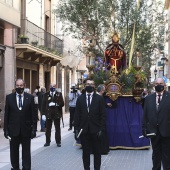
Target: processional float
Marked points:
116	86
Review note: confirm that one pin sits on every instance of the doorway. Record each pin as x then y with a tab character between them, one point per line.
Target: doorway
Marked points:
47	80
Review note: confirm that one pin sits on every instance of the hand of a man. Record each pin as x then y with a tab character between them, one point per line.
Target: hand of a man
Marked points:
33	134
6	134
100	134
109	104
76	135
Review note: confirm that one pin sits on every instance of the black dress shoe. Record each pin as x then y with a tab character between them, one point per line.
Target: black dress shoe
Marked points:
42	130
69	129
59	144
46	144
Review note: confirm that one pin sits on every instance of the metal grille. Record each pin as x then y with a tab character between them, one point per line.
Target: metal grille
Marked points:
45	40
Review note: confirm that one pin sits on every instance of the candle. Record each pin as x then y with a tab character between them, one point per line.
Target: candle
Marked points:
137	61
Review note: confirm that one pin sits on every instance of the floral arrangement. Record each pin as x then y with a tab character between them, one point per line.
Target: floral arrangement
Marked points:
100	71
130	76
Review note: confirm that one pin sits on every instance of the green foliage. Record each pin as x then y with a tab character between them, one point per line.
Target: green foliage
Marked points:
51	50
92	17
149	27
101	73
83	18
34	43
22	36
128	78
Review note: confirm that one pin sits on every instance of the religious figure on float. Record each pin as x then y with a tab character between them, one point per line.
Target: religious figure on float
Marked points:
115	55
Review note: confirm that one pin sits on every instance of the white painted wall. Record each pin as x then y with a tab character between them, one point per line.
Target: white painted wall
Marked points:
35	12
9	13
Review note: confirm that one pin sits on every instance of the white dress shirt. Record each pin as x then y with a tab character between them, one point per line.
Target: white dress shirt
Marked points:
91	95
17	98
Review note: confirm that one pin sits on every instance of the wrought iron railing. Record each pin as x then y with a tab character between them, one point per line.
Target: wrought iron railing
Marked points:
43	39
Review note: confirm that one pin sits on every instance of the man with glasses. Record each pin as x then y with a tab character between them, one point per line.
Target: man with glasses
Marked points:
156	119
90	121
20	124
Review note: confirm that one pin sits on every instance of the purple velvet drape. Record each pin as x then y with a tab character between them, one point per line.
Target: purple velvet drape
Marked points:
124	124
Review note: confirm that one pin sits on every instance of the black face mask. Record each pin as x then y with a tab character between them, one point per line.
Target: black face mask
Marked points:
52	89
19	90
89	89
104	94
159	88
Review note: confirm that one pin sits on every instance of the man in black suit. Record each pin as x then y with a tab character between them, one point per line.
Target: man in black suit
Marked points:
20	124
90	117
156	119
52	108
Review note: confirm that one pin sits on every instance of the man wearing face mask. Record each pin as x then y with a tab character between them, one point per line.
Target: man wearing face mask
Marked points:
90	120
156	119
20	124
52	104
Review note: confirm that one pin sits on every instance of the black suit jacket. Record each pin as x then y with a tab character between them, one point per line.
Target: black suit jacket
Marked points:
20	122
40	98
52	112
161	116
91	121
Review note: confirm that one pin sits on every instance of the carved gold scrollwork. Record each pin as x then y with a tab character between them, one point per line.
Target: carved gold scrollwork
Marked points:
137	93
113	96
113	90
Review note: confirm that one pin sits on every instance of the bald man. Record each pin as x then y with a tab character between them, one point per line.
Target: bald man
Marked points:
20	124
52	108
156	119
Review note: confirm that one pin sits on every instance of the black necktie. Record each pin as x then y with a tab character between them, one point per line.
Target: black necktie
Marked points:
88	100
20	102
52	94
159	98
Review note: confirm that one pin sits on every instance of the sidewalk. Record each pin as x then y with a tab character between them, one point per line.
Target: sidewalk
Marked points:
37	144
69	157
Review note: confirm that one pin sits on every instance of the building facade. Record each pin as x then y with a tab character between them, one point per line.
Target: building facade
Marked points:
32	49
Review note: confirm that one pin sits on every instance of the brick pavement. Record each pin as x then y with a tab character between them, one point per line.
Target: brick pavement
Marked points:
69	157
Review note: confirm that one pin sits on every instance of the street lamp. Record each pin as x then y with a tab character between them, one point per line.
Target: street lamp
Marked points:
163	61
137	57
155	72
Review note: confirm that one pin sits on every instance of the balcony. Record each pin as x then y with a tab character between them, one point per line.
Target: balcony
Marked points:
38	45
